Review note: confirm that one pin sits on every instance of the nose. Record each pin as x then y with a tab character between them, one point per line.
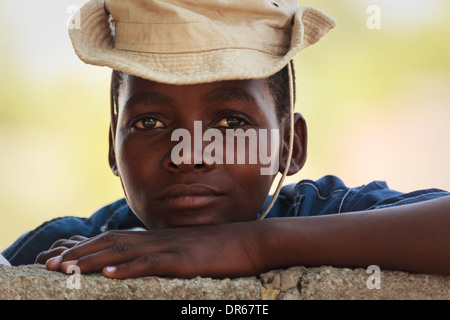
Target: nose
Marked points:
183	167
189	154
189	161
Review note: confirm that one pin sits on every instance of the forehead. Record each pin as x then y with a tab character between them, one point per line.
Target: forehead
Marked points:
254	92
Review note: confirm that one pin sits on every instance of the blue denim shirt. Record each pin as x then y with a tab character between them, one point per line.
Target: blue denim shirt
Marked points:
328	195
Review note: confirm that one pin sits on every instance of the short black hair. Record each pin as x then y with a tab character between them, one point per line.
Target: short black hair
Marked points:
278	84
279	87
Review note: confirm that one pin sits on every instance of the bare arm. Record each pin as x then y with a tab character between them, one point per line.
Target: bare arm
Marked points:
412	237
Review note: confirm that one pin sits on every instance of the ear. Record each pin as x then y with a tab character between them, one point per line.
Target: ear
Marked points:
299	147
112	155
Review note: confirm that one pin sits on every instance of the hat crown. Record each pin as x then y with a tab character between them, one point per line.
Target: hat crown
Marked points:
196	41
173	11
181	26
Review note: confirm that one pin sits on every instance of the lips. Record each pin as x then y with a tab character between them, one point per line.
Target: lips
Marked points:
189	196
188	190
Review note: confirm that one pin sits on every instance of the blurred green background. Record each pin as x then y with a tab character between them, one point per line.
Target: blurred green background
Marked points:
377	103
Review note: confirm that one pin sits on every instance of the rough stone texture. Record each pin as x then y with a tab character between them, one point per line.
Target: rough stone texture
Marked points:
326	283
34	282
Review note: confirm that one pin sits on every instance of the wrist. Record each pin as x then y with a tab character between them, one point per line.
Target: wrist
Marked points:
280	243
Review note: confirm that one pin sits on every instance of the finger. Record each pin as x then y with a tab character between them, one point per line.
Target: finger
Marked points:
78	238
64	243
45	255
74	240
50	257
101	242
157	264
117	254
91	246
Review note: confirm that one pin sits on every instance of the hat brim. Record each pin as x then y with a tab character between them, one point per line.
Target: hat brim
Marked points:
94	44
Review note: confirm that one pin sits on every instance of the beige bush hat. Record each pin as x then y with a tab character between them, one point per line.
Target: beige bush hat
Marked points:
195	41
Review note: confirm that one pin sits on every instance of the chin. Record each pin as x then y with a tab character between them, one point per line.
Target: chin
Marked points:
184	220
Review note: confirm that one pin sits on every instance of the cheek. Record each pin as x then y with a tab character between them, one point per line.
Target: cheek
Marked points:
251	190
257	148
136	163
255	167
137	166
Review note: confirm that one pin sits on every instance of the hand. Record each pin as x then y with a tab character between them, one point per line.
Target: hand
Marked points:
227	250
59	247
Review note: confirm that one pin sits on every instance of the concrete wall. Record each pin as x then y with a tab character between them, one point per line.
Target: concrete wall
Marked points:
34	282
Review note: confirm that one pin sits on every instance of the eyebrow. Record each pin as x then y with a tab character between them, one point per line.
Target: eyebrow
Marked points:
229	94
219	94
149	98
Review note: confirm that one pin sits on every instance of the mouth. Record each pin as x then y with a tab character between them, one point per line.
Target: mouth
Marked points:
189	196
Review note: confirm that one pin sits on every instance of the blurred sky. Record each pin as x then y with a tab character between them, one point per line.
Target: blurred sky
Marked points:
377	104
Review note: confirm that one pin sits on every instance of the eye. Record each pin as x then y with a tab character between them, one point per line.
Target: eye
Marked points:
148	123
231	122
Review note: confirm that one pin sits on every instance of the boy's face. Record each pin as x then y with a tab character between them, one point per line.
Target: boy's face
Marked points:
165	194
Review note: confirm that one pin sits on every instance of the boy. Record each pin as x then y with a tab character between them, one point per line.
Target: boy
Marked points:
223	69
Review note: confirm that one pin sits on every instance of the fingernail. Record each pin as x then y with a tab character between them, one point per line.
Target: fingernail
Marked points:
110	269
53	262
67	264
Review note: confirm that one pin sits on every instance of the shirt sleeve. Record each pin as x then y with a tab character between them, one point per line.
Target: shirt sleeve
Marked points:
377	195
24	250
3	261
329	195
